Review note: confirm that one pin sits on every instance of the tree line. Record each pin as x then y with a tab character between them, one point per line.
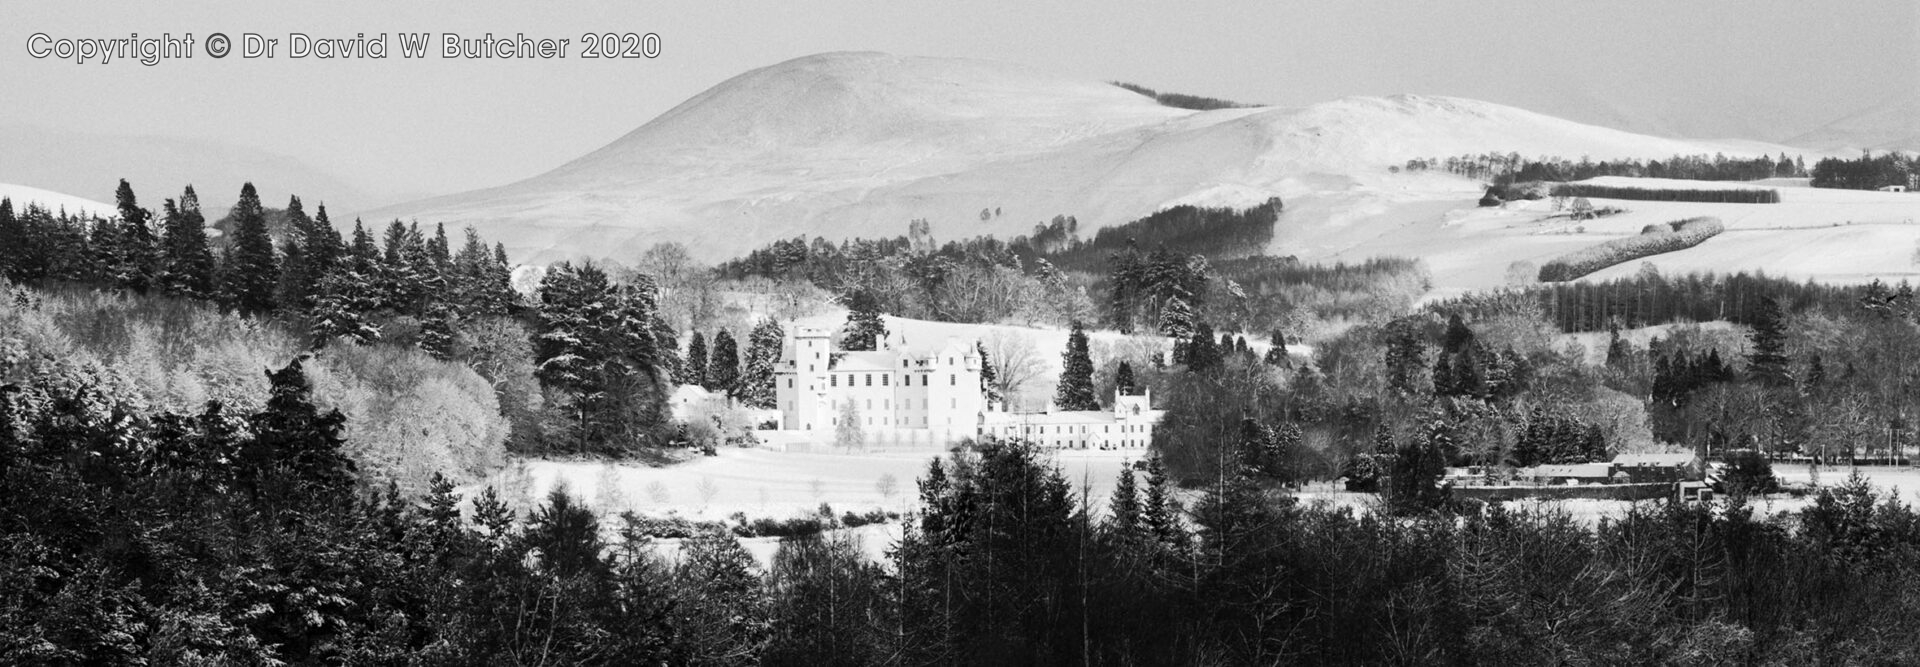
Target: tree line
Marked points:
1509	168
585	369
1867	172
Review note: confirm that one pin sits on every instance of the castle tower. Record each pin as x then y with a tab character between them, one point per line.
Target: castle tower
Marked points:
798	381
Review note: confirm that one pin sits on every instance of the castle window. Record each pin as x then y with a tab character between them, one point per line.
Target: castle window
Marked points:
834	380
924	379
789	383
953	379
869	379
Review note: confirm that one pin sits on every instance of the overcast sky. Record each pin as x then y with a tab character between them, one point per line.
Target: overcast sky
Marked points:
1762	69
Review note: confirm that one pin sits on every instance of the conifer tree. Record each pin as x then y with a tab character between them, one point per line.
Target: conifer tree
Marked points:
1075	391
251	273
1203	354
696	361
436	332
864	329
989	376
13	242
292	436
1277	353
139	258
723	369
299	279
1159	510
1123	509
763	358
1176	319
187	258
1768	362
1123	379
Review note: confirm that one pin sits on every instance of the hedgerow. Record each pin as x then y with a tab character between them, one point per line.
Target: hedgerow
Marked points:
1655	239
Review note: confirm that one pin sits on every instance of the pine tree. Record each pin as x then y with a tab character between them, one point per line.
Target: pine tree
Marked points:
723	370
1406	357
1202	353
1768	362
436	332
1277	354
989	376
1123	509
251	272
763	358
139	260
696	362
864	329
292	436
13	241
1123	379
1160	511
187	258
1075	391
299	279
1176	319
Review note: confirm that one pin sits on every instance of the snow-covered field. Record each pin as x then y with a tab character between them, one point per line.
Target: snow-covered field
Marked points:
766	483
762	483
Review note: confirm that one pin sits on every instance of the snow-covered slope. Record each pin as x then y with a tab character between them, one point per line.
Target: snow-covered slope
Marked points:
22	196
846	144
159	167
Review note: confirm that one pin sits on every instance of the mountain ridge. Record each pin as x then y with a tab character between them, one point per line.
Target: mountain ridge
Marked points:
857	144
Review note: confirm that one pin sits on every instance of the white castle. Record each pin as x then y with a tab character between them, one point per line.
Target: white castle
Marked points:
935	395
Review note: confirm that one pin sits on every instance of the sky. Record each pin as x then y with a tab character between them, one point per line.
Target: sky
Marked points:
1756	69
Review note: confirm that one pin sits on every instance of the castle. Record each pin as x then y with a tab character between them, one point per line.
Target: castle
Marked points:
906	395
934	395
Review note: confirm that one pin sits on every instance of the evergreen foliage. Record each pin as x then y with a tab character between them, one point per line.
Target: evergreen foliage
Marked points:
1075	390
250	271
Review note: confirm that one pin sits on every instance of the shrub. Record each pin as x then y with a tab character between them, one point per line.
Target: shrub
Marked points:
1653	240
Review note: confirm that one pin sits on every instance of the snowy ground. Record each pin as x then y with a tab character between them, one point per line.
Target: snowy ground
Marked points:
1902	483
1813	233
54	201
770	484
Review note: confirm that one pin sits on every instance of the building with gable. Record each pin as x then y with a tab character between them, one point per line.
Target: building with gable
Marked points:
904	394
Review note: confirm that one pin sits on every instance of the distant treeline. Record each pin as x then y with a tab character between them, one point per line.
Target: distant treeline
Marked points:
1708	195
1648	299
1182	101
1511	168
1655	239
1867	172
1188	230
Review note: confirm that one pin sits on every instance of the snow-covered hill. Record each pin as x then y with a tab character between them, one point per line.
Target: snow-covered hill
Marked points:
846	144
21	196
160	167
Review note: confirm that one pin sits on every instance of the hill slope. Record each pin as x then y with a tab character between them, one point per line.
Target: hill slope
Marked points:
845	144
160	167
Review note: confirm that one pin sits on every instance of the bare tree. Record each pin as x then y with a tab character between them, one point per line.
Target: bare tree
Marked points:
1015	361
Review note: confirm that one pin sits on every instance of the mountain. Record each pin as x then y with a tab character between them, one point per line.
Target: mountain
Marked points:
846	144
1893	125
160	167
